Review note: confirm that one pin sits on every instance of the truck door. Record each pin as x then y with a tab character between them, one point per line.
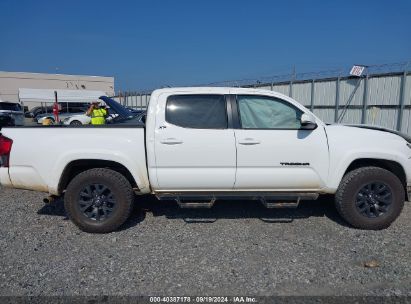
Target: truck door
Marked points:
194	148
273	152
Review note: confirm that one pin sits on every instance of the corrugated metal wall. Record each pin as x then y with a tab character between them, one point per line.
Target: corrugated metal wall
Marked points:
382	99
302	93
138	101
375	99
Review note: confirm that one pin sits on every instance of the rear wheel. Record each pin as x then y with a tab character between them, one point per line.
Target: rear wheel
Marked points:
370	198
99	200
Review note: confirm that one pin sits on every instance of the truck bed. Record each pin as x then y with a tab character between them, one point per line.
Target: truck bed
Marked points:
40	154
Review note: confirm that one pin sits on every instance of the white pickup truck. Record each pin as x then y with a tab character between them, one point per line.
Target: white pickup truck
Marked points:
203	144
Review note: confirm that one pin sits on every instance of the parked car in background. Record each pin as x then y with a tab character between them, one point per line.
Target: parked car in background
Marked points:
77	120
63	114
48	110
140	118
11	114
83	119
134	111
34	112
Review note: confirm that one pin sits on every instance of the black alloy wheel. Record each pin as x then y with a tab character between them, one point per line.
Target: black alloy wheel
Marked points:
374	199
370	197
97	202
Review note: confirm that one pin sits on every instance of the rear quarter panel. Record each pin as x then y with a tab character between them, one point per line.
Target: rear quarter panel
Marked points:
40	154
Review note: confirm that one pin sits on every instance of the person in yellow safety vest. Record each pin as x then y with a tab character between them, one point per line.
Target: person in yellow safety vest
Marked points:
98	114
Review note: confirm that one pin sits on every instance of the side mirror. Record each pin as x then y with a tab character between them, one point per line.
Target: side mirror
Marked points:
308	122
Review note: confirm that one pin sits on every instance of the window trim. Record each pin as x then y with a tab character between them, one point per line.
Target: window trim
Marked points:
237	115
228	112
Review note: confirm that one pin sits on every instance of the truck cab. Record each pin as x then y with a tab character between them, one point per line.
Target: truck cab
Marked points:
221	140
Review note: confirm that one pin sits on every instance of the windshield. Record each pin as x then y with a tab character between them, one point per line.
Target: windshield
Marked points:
9	106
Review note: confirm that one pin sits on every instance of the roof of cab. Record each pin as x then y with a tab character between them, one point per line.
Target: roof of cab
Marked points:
218	90
215	89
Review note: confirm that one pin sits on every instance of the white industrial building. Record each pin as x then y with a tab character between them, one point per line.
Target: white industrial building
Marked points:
11	82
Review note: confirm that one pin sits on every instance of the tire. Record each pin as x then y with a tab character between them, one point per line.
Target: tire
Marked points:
363	202
76	123
98	210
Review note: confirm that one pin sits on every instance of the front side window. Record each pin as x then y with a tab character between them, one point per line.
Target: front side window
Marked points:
197	111
263	112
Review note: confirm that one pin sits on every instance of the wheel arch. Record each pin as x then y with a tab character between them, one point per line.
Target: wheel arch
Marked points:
77	166
394	167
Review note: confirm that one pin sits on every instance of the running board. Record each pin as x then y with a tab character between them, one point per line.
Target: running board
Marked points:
194	204
207	199
280	203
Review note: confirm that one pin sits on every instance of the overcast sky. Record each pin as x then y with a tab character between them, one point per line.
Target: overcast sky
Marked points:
149	44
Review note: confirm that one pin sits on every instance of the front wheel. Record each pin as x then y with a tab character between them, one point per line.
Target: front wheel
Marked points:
370	198
99	200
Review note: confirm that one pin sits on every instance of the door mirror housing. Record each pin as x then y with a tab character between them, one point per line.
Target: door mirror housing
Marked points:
308	122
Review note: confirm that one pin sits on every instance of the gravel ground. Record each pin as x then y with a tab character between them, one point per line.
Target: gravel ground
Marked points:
236	248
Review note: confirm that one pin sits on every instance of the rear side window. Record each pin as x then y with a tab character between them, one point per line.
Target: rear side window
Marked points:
197	111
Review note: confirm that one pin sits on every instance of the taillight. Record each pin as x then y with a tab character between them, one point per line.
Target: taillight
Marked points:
5	148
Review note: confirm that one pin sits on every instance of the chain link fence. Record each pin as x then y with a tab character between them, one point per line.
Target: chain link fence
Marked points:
382	96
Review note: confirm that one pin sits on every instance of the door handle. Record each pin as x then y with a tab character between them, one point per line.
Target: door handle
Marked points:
249	141
171	141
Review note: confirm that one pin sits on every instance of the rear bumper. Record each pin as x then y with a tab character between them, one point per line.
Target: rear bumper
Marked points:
5	178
